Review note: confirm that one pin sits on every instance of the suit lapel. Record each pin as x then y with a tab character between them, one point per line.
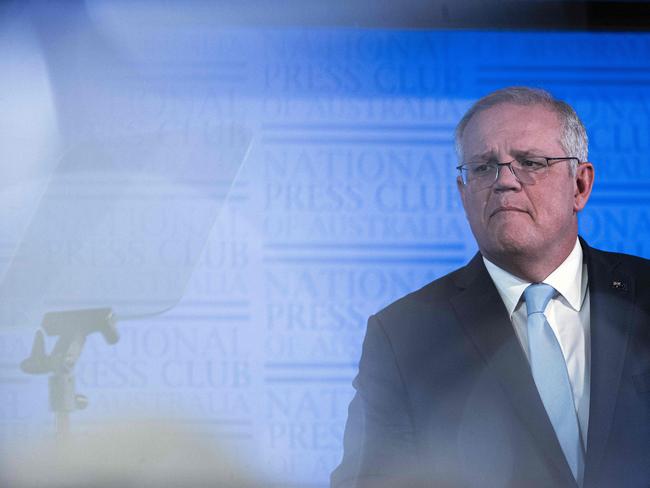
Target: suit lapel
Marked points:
611	302
483	315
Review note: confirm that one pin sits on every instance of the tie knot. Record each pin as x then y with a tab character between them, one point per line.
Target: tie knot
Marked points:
537	297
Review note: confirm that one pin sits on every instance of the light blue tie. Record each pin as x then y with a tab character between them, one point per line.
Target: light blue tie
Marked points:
551	377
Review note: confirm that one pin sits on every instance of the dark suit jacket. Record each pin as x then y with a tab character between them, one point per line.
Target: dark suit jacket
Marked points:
445	396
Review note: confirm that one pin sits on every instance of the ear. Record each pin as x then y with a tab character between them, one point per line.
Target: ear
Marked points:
584	182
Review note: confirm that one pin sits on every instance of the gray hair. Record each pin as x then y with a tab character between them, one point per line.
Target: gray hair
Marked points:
574	135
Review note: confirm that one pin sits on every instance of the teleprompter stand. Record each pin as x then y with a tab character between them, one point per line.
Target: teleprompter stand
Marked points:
71	327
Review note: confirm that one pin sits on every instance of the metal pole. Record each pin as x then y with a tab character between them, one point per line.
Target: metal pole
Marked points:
62	425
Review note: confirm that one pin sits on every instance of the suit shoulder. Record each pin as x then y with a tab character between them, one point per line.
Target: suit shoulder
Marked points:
635	265
433	294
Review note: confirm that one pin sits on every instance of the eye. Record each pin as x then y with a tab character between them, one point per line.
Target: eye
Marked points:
532	164
479	168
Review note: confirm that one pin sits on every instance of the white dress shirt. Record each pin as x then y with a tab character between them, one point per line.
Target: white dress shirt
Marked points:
568	316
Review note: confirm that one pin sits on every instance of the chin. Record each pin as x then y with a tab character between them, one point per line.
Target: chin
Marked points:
507	237
511	244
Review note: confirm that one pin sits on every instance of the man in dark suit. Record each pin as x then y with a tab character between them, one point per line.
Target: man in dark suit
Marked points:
530	366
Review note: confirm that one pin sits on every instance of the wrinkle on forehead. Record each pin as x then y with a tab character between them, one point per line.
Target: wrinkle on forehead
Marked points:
493	155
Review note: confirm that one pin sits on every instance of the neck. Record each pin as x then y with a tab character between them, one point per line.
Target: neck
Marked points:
533	266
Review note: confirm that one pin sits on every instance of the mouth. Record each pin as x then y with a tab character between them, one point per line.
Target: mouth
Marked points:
507	209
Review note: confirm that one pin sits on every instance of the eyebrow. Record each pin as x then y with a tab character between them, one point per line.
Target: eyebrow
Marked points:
527	152
485	155
490	155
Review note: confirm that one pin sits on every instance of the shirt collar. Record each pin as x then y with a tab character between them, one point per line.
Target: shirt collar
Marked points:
569	279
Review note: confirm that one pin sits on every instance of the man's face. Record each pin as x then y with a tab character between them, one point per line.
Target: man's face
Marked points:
509	218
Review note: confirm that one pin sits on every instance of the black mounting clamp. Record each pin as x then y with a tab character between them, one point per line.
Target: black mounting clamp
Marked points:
72	327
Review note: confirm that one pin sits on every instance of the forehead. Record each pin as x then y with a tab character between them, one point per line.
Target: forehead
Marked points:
507	128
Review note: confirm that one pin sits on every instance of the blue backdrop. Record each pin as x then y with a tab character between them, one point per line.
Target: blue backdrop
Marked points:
346	201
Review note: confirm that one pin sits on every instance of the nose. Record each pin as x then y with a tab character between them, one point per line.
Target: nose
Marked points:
506	178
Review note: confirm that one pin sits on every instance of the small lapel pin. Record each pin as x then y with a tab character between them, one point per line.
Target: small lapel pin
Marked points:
619	285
